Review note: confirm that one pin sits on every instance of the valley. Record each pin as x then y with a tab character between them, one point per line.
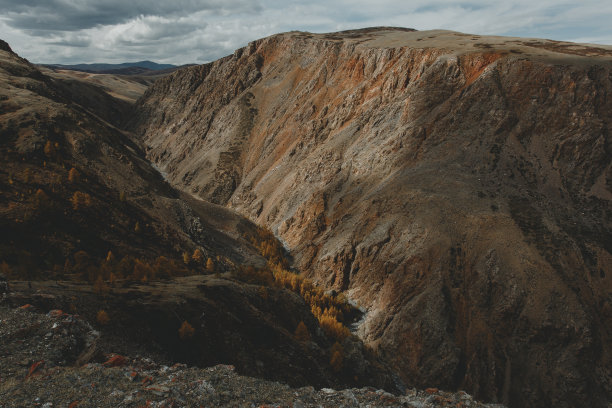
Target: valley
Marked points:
455	187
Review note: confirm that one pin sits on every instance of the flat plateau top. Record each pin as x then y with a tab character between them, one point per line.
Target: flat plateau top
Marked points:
459	43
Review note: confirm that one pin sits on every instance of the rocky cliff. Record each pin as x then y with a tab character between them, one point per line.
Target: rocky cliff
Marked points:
458	187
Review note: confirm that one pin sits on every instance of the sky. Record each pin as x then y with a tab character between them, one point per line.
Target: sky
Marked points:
199	31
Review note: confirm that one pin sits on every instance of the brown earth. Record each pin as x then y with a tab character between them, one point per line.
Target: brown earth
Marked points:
456	186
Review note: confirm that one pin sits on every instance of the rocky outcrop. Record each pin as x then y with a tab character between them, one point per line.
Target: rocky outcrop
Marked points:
5	47
456	186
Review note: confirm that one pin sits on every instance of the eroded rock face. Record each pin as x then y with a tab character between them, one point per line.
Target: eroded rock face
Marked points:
456	186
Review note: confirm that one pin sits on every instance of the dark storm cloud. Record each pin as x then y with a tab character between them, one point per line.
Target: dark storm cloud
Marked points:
72	15
186	31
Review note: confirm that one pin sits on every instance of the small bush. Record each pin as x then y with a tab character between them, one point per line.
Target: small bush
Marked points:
210	265
102	318
186	331
301	333
73	175
80	200
100	287
337	357
198	257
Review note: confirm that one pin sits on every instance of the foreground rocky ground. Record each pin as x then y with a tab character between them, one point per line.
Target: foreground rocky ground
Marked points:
50	360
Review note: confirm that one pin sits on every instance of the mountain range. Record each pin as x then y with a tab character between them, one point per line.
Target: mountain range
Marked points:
126	67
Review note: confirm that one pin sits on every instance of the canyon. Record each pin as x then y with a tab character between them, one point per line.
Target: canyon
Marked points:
456	187
88	225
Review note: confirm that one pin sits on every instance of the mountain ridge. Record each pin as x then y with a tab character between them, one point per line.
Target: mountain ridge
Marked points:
105	67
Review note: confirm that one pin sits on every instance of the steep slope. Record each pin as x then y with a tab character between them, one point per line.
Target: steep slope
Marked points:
86	223
73	181
458	187
49	341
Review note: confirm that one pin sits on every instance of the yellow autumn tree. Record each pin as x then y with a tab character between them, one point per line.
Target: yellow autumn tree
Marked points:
301	333
49	149
100	287
337	357
73	175
102	317
210	265
186	331
80	200
198	256
40	199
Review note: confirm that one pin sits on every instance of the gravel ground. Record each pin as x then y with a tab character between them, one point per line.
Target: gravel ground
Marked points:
40	360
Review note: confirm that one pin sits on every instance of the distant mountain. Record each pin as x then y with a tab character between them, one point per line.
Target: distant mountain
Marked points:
105	68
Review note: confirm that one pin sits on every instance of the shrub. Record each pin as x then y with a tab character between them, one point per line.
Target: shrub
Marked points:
100	287
301	333
263	293
49	149
102	318
210	265
73	175
337	357
186	331
198	257
80	200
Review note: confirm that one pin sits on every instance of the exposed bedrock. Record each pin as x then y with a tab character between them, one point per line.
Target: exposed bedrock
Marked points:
456	186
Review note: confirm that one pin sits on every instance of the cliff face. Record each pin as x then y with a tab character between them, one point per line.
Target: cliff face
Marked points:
458	187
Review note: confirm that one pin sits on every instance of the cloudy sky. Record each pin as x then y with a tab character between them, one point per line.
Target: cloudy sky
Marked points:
197	31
